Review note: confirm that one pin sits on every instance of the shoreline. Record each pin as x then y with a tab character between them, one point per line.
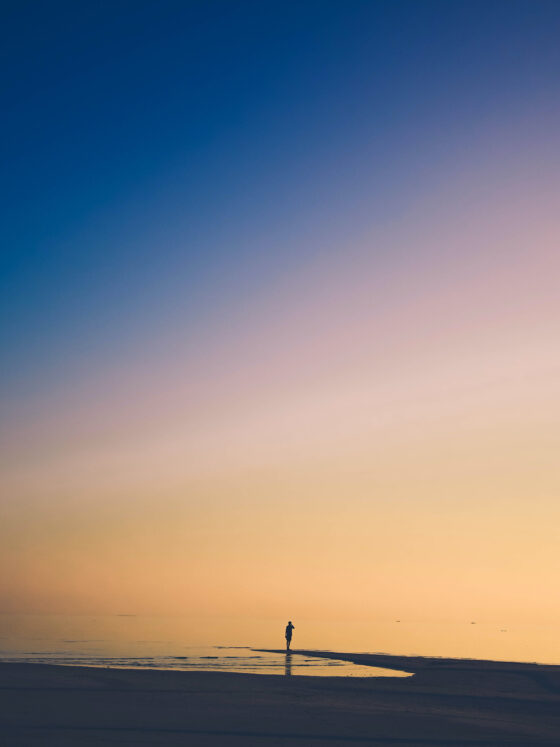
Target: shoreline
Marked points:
446	702
420	663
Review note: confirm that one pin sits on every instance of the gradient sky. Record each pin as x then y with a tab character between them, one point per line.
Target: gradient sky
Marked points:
280	309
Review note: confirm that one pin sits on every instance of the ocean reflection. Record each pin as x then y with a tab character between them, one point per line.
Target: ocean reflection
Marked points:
171	641
210	659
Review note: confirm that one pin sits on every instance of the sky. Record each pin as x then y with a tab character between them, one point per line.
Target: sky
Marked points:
279	309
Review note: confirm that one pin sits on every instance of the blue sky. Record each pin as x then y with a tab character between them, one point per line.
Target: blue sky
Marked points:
173	156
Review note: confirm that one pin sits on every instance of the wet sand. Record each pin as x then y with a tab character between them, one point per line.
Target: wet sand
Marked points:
446	702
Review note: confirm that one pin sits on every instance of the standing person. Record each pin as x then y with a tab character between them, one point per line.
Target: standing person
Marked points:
289	628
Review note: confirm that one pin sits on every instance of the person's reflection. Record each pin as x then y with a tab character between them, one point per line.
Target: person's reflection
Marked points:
288	669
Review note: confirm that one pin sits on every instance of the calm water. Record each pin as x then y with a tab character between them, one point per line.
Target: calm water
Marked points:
211	658
226	644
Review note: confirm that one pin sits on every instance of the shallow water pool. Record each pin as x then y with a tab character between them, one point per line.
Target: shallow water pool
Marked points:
210	659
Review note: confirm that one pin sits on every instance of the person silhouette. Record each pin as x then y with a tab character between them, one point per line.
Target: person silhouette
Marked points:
289	628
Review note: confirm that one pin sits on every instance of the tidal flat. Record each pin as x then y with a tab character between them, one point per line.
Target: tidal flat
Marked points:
445	702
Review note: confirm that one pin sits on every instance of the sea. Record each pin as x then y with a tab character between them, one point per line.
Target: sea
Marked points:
236	645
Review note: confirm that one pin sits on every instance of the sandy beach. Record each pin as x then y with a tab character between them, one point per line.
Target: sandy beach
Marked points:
446	702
